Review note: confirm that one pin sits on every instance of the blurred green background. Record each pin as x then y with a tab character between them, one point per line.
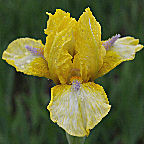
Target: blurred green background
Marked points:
23	99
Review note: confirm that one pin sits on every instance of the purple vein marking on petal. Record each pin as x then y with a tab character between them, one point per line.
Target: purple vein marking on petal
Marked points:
107	44
76	85
35	51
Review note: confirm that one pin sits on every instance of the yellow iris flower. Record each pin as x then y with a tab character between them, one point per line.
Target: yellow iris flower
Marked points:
73	57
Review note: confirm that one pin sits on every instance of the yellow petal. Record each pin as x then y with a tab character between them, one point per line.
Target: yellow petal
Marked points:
90	52
57	22
123	49
25	60
59	45
78	111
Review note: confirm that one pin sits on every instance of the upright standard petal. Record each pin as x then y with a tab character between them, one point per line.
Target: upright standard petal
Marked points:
123	49
59	45
26	55
57	22
89	49
77	110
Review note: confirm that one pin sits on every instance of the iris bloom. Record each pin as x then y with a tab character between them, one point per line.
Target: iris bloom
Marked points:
73	57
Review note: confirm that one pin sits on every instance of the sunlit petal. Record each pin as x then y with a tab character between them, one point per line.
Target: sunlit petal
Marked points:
60	45
77	110
26	55
57	22
89	49
123	49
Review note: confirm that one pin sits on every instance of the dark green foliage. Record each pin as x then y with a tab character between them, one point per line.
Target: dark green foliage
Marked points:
23	99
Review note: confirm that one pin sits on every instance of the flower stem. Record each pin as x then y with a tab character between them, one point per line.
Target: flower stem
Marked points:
75	140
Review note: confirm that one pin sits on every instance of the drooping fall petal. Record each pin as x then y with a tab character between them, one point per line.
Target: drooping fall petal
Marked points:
90	52
123	49
59	45
26	55
78	110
